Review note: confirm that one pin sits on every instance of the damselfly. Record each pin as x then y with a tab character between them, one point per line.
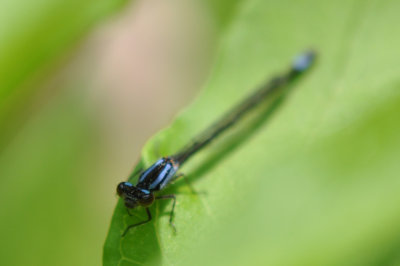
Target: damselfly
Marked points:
164	171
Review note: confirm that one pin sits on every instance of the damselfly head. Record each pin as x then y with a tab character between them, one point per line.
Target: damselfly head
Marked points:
123	187
134	196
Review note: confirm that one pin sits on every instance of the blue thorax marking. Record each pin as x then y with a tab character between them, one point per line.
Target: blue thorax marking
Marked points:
162	179
150	170
158	175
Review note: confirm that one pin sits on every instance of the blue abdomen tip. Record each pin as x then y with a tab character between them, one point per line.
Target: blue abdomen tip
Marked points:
303	61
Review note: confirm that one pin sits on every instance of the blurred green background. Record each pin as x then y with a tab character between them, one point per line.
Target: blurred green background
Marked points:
84	84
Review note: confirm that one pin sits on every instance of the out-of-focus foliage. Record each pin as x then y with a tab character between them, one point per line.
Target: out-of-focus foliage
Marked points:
59	157
313	183
33	34
46	142
317	182
223	11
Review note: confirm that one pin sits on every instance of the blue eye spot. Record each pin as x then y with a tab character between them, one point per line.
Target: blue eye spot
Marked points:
128	184
145	191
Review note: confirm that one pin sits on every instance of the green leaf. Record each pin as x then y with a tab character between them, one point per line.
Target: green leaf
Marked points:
314	183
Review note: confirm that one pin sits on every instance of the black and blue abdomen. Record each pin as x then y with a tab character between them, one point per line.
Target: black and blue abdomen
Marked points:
157	176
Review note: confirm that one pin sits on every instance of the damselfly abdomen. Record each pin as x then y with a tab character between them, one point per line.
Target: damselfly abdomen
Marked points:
162	172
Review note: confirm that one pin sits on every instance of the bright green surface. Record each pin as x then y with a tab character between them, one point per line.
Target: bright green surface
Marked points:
317	182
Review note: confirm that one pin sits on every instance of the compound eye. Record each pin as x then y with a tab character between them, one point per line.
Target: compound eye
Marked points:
123	187
130	204
147	199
